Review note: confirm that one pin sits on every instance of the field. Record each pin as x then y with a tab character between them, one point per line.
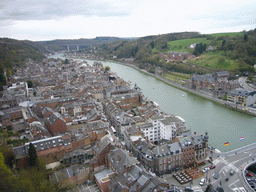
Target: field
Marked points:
183	44
180	78
215	61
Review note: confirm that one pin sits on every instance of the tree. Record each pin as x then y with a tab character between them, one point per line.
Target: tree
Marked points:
7	181
66	61
30	84
245	37
107	68
32	155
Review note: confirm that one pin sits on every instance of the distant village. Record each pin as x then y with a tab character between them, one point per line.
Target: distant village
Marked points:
89	125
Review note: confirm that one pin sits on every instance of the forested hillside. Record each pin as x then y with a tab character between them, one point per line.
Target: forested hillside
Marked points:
84	44
14	53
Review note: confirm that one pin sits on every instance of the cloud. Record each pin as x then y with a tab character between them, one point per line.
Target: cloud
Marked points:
70	19
55	9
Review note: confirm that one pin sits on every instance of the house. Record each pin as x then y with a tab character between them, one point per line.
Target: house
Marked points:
47	112
120	161
29	116
188	150
78	156
242	97
11	114
222	74
71	176
100	151
48	149
56	124
137	179
103	179
201	81
177	56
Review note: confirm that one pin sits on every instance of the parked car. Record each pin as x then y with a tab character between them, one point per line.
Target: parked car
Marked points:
212	167
216	175
173	189
206	169
202	182
188	189
249	175
251	184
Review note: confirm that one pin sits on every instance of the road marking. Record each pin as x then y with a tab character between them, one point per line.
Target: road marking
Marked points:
230	165
197	189
216	161
68	173
234	182
242	189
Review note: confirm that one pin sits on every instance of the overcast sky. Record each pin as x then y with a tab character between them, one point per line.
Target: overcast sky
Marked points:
72	19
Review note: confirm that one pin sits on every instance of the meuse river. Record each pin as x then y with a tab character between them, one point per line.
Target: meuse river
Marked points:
201	115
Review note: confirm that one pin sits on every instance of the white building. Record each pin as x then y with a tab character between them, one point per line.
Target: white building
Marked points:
162	128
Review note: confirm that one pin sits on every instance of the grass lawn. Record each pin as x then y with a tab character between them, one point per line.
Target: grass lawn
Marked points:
181	45
180	78
215	61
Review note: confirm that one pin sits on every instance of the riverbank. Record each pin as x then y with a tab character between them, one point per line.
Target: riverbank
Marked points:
192	91
222	124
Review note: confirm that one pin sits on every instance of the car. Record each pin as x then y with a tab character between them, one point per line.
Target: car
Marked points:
249	175
188	189
173	189
212	167
252	185
202	182
216	175
232	172
206	169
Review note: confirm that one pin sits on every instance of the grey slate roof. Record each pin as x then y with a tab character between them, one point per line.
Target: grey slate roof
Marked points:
54	117
120	158
41	145
242	92
222	73
100	146
161	150
77	153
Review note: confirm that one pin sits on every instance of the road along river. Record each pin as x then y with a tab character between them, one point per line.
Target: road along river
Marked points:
201	115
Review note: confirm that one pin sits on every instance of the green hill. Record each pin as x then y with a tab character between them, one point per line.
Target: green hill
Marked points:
13	53
234	51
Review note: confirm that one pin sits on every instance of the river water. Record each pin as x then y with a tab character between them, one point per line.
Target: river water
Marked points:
201	115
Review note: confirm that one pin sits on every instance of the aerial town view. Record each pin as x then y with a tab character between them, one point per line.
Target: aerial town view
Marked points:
112	96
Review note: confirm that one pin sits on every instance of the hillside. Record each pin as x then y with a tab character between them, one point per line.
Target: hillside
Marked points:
84	44
235	52
14	53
